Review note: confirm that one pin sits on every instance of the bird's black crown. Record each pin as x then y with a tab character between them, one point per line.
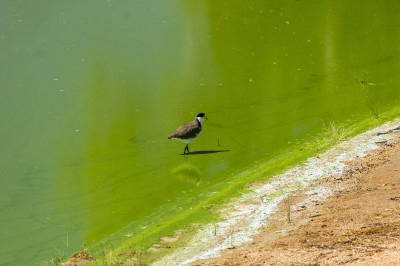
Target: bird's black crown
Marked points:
201	115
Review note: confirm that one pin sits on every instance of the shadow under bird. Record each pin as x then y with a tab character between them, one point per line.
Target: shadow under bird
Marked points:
189	132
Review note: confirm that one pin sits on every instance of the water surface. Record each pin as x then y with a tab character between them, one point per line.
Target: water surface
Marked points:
90	92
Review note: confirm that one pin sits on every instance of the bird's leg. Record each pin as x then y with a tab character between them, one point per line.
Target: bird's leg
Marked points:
186	148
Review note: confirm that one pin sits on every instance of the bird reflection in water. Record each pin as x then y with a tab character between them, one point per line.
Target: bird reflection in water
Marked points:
187	172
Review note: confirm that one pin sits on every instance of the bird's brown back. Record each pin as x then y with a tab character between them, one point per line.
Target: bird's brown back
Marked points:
187	131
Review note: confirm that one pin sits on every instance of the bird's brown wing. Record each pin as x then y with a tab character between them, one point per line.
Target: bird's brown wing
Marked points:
186	131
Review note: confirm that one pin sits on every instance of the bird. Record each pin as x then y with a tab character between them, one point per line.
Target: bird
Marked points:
189	132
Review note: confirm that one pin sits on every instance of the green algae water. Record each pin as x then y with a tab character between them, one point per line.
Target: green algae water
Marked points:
91	90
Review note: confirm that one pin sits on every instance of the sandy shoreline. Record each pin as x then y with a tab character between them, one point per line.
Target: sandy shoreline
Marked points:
352	217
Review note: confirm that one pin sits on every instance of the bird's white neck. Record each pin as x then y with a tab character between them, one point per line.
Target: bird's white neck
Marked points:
200	119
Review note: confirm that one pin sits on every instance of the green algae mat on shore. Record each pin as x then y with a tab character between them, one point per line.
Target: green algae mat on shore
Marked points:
91	90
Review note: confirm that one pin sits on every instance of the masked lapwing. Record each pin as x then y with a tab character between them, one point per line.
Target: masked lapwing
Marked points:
189	132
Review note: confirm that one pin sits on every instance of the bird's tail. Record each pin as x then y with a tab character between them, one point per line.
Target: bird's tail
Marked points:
171	136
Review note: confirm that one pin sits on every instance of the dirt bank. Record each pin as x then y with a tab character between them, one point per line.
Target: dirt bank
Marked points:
359	223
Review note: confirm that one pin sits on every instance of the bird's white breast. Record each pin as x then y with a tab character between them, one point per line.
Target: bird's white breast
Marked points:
187	141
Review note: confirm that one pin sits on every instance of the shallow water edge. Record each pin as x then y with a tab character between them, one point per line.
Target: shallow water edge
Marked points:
244	216
222	211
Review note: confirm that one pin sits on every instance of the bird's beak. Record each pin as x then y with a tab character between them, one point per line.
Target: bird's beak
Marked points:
205	117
